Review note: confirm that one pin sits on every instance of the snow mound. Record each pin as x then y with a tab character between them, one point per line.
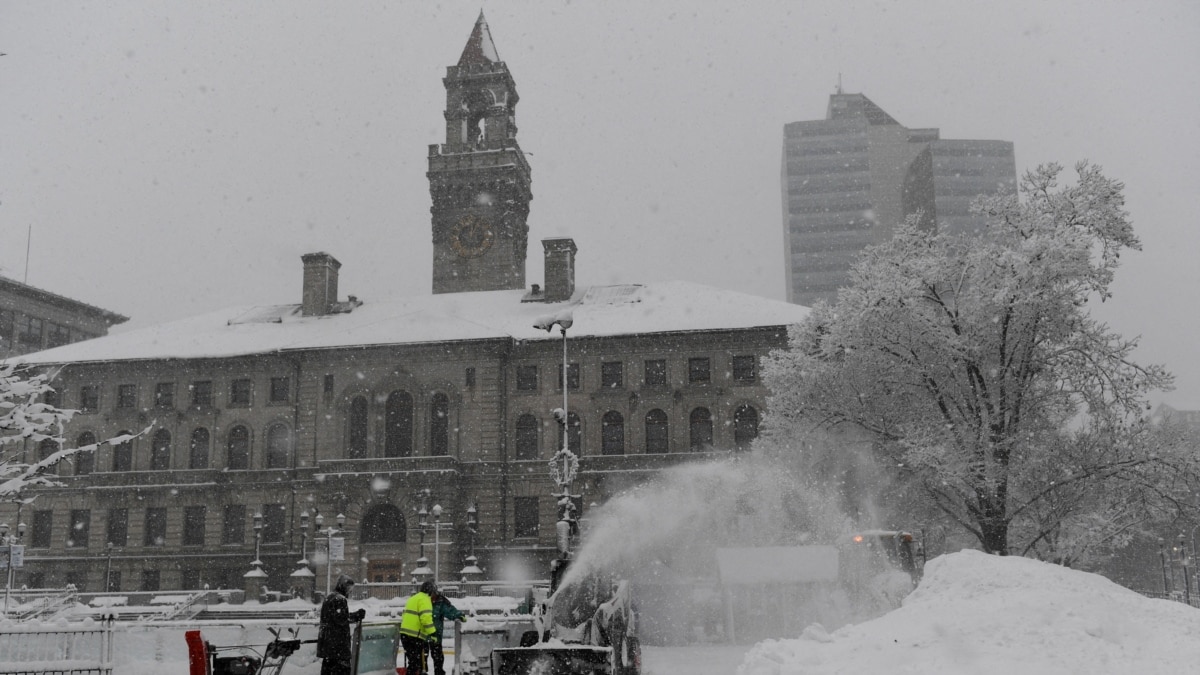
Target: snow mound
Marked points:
980	614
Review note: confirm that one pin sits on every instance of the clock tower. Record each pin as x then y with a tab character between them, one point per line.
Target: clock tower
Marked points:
479	179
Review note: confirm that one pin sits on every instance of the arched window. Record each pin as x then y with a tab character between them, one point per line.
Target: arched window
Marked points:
357	442
383	524
122	458
398	425
198	449
160	451
48	447
527	437
279	446
239	448
745	427
574	435
656	431
85	462
612	433
439	425
700	429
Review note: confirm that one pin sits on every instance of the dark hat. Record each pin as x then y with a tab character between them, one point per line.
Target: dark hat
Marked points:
428	587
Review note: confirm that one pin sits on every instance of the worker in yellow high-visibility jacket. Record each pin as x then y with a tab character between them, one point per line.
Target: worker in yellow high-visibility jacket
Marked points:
416	628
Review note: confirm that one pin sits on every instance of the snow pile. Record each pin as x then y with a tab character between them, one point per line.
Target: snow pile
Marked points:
981	614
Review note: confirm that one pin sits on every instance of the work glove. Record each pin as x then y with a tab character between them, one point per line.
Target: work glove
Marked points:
463	618
359	615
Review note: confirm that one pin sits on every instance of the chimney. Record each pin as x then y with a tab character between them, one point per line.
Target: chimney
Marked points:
560	269
320	283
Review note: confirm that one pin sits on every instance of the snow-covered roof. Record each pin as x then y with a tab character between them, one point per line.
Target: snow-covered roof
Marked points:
668	307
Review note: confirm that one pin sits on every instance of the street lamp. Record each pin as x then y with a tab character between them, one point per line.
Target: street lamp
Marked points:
472	566
329	532
15	554
1162	556
303	575
437	541
1183	559
108	546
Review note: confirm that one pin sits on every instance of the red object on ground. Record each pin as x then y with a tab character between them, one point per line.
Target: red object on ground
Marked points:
197	654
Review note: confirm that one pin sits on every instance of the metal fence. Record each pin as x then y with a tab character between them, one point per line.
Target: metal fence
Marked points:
1192	599
73	649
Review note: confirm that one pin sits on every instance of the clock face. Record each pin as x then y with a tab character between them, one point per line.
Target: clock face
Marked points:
471	236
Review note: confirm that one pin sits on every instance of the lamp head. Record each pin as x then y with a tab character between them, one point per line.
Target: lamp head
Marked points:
3	529
304	520
437	511
341	521
258	520
320	520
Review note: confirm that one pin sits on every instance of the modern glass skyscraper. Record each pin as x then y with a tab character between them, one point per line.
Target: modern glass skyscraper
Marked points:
850	178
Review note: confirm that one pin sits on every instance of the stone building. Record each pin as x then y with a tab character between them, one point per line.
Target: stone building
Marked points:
32	319
378	409
848	180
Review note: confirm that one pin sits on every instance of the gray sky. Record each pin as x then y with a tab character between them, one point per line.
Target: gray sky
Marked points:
177	157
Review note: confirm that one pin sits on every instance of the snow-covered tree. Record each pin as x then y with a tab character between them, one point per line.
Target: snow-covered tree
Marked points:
974	364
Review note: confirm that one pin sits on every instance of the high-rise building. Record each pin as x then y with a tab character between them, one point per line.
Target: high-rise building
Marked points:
848	180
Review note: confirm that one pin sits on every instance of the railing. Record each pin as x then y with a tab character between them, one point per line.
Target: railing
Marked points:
452	589
42	604
1174	596
73	649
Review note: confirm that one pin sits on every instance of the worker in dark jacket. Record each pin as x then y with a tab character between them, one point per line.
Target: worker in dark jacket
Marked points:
442	610
333	635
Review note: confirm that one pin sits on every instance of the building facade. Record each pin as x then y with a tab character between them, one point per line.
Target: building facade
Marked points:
848	180
32	319
249	422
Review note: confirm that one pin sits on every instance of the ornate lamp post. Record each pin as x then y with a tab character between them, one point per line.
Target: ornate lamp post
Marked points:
303	579
16	553
437	542
255	579
108	547
565	464
329	532
472	567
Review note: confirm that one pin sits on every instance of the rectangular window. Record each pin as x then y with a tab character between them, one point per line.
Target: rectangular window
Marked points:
150	580
122	458
43	522
57	335
572	376
612	375
525	516
164	395
527	378
239	392
81	528
281	389
126	395
190	580
29	333
156	527
202	393
193	525
89	398
656	373
118	527
233	524
699	370
274	523
327	389
745	369
36	579
470	377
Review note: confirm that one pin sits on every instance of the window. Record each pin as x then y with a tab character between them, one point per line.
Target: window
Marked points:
156	527
357	433
279	447
745	369
29	333
164	395
383	524
118	527
193	525
81	528
36	579
40	534
527	378
122	457
189	579
525	516
57	335
198	449
656	373
700	428
656	431
612	433
398	425
572	376
612	375
150	580
527	437
574	434
202	393
281	389
274	523
233	524
439	426
240	391
327	389
48	447
160	451
89	398
126	395
745	427
7	326
114	581
470	378
699	370
239	448
85	460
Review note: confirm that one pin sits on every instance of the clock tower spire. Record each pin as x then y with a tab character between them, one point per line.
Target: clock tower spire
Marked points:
479	179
